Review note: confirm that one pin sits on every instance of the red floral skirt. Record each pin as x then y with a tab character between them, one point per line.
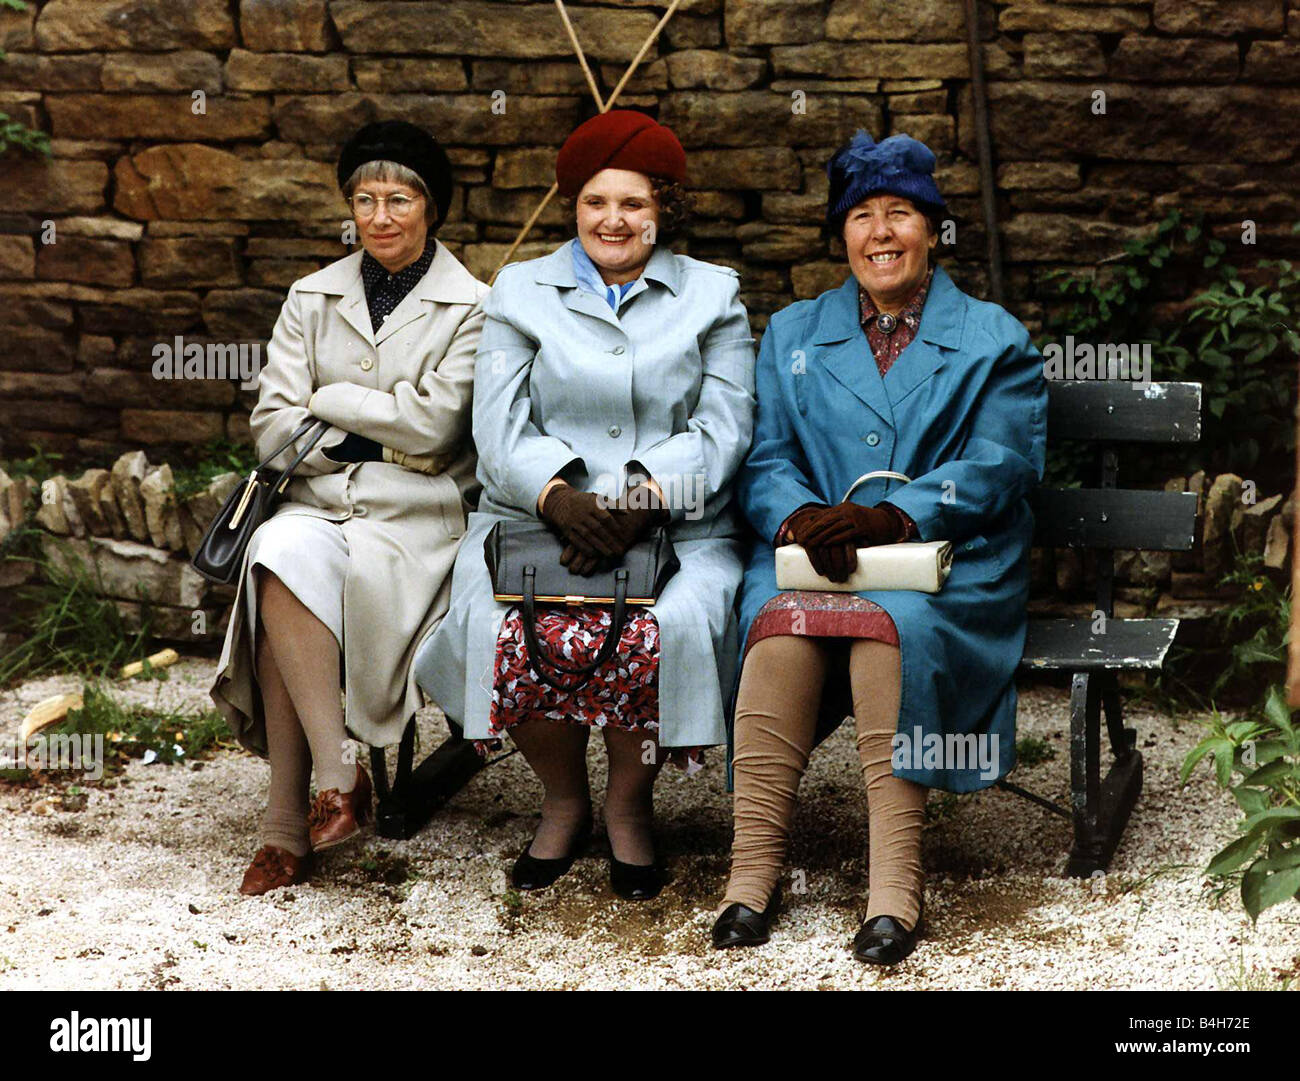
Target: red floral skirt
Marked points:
622	693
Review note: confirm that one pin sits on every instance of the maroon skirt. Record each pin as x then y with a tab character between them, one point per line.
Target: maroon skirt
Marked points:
818	614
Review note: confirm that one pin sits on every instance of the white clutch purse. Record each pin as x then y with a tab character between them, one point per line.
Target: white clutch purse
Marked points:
919	565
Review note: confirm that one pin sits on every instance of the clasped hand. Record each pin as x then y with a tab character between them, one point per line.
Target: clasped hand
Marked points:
832	535
595	533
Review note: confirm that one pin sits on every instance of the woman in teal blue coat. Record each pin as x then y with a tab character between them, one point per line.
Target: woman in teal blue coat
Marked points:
898	370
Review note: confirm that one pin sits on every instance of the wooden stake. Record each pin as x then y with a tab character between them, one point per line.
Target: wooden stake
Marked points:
582	57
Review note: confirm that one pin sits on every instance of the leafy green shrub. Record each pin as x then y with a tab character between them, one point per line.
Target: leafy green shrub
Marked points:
1239	342
1263	746
1265	750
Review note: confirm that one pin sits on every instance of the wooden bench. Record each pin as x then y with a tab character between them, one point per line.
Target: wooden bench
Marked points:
1110	415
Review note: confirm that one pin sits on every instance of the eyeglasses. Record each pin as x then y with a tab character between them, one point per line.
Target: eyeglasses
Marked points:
399	205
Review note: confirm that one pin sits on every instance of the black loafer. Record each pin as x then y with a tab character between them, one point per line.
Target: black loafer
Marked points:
882	940
740	925
531	873
634	881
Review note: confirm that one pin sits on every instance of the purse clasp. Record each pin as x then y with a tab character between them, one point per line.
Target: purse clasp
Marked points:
243	500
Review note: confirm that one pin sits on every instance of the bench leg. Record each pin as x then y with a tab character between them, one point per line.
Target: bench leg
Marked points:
1101	808
416	794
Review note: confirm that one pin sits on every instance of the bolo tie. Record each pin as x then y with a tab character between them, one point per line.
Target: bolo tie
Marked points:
886	323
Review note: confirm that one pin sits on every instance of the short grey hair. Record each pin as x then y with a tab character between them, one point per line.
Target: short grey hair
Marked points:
392	172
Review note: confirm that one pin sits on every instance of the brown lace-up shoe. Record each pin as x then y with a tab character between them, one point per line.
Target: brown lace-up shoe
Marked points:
272	868
336	817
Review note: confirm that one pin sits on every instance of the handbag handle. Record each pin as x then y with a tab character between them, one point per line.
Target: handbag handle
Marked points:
286	474
539	658
282	479
293	438
871	476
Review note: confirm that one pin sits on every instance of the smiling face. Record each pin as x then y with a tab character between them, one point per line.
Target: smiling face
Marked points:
617	222
395	241
888	240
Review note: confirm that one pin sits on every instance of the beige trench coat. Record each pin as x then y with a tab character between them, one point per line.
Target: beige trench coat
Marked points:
409	388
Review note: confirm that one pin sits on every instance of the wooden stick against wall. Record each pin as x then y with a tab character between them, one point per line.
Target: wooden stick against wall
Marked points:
582	57
603	106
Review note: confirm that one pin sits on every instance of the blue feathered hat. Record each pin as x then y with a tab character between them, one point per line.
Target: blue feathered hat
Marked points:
899	165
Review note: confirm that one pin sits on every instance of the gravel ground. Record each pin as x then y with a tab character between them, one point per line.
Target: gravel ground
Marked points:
139	889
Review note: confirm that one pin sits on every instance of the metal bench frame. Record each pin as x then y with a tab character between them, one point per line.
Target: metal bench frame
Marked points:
416	794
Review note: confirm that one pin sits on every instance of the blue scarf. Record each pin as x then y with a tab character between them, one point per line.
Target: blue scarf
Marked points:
589	278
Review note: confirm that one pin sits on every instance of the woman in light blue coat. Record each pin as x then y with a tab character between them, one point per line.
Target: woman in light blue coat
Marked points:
610	370
899	370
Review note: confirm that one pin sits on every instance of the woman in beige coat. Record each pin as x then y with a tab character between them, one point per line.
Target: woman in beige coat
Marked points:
354	568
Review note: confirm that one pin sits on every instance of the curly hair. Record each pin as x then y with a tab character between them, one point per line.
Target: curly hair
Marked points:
672	200
675	207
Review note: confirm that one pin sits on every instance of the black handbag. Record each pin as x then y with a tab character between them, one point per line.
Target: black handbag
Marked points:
523	560
221	552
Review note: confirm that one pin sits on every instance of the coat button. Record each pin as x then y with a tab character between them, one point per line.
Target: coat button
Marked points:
615	431
618	350
367	364
872	438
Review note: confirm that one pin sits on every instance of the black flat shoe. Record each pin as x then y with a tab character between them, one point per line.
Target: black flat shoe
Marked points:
882	940
740	925
531	873
634	881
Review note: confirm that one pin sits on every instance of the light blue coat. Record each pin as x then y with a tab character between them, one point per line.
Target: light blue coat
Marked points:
963	413
563	385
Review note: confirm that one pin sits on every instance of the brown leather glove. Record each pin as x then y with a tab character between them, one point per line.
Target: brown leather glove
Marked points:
643	515
833	561
580	563
848	523
798	525
581	520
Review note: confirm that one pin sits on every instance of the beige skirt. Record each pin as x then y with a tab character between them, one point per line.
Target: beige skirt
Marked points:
310	556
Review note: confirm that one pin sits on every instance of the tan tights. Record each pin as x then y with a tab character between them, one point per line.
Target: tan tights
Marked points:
298	676
776	718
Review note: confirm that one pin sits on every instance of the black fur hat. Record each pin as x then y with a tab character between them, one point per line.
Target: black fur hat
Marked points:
406	144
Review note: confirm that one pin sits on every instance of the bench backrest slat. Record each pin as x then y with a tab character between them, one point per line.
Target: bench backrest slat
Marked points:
1114	411
1114	518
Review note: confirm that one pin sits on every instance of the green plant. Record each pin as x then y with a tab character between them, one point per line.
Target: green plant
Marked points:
212	459
133	731
36	467
1265	750
1033	752
16	134
66	623
1258	624
1238	342
1252	979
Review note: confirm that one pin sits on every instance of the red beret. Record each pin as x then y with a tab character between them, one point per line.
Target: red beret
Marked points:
618	139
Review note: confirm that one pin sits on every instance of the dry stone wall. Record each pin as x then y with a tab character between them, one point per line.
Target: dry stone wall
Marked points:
169	219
